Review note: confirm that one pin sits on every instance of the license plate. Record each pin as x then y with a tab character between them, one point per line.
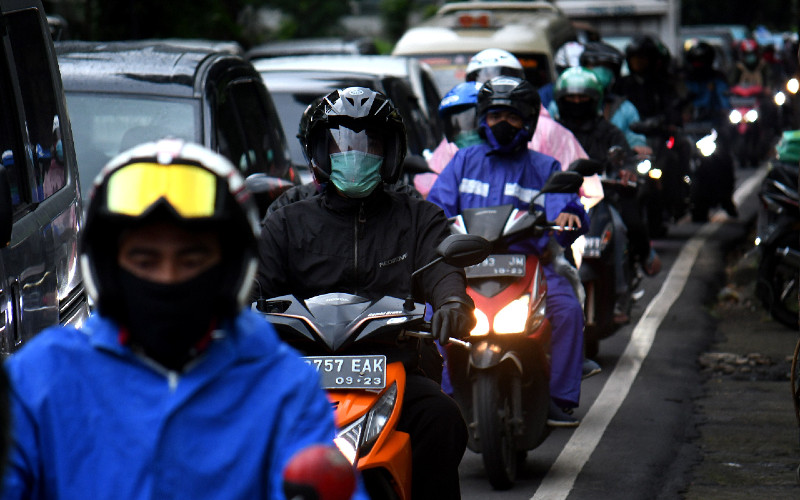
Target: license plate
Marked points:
350	372
498	265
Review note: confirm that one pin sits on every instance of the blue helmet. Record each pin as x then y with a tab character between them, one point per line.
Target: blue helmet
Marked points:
458	110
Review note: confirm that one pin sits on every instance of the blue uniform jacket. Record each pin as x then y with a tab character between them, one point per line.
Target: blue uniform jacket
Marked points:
94	420
476	177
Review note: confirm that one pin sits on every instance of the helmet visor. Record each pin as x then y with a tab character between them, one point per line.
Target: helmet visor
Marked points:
342	139
463	121
483	75
189	189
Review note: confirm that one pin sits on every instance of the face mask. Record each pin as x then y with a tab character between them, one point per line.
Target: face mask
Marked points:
167	321
467	139
604	75
504	132
355	173
59	151
580	111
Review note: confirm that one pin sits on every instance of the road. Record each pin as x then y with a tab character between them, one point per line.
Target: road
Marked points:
639	418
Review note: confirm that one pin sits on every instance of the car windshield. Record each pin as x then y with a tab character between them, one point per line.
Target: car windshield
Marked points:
103	125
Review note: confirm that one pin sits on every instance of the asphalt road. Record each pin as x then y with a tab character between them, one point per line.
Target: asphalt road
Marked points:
658	423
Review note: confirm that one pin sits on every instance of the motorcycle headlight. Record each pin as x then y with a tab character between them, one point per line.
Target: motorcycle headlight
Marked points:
481	324
708	144
751	115
793	85
644	166
735	116
780	99
358	438
655	173
513	317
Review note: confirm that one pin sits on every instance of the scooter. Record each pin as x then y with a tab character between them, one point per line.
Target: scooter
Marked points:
501	379
778	239
667	174
712	168
602	276
357	346
755	120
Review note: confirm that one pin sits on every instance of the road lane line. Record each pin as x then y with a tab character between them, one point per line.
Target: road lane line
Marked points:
561	477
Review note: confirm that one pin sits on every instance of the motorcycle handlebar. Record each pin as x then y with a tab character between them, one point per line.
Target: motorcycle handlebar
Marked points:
429	335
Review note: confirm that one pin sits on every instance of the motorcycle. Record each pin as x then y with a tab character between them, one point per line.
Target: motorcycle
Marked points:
667	174
711	167
357	347
501	379
778	239
755	121
602	276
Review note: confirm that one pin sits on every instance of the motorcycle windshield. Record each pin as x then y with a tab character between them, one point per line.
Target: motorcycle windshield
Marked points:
334	314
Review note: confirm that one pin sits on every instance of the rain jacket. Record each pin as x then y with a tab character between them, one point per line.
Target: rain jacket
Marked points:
92	419
476	177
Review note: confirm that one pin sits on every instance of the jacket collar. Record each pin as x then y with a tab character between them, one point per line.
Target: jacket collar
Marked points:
337	203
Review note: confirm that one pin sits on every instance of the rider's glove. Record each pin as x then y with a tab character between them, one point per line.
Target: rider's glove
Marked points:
454	318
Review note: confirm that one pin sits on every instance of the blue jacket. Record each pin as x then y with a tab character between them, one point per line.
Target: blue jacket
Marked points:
94	420
475	177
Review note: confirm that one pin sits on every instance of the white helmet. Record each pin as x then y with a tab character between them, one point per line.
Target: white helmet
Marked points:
568	56
490	63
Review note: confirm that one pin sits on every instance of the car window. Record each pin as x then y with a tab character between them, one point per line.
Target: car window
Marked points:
39	101
10	142
248	132
104	125
418	130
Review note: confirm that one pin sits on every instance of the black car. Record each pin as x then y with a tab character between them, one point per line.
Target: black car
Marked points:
294	82
121	94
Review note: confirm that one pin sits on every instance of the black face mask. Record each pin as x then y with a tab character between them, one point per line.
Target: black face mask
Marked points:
504	132
579	111
167	321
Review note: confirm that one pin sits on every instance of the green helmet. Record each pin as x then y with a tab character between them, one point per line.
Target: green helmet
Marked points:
577	81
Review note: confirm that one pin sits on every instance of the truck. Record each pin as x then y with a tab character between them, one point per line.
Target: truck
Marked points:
626	18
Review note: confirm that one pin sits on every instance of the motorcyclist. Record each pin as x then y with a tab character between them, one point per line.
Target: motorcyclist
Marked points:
751	68
605	61
650	86
361	238
171	388
457	110
578	96
502	170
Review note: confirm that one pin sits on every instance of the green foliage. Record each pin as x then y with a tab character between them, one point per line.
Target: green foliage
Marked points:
394	14
309	18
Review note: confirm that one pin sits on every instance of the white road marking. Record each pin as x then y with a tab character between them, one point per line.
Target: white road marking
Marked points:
561	477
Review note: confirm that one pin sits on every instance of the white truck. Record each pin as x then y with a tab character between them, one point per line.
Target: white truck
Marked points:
625	18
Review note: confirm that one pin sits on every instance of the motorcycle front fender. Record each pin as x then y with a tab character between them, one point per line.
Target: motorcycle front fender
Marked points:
486	355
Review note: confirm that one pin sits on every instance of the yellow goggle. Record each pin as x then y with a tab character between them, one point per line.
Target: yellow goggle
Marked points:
190	190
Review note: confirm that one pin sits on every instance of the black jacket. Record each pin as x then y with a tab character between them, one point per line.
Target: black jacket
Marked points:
367	247
598	136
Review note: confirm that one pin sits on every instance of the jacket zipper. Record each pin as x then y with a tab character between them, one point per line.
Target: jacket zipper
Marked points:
360	220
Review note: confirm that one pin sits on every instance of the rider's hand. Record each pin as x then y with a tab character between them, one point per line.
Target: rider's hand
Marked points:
627	175
568	220
452	319
643	152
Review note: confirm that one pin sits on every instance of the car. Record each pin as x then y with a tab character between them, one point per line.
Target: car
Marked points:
313	46
532	31
124	93
40	202
294	82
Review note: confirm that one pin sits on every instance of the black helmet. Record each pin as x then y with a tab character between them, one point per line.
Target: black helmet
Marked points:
700	54
649	48
358	109
602	54
510	92
137	187
302	126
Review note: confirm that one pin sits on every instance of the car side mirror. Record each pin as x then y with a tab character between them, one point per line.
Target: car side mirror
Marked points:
6	209
265	189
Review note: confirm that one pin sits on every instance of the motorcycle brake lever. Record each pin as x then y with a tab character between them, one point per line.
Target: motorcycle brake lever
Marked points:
462	343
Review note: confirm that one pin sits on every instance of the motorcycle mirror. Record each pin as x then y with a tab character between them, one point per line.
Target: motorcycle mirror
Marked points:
415	164
586	167
563	182
463	250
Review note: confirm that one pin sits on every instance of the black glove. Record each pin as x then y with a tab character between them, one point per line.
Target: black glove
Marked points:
452	319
